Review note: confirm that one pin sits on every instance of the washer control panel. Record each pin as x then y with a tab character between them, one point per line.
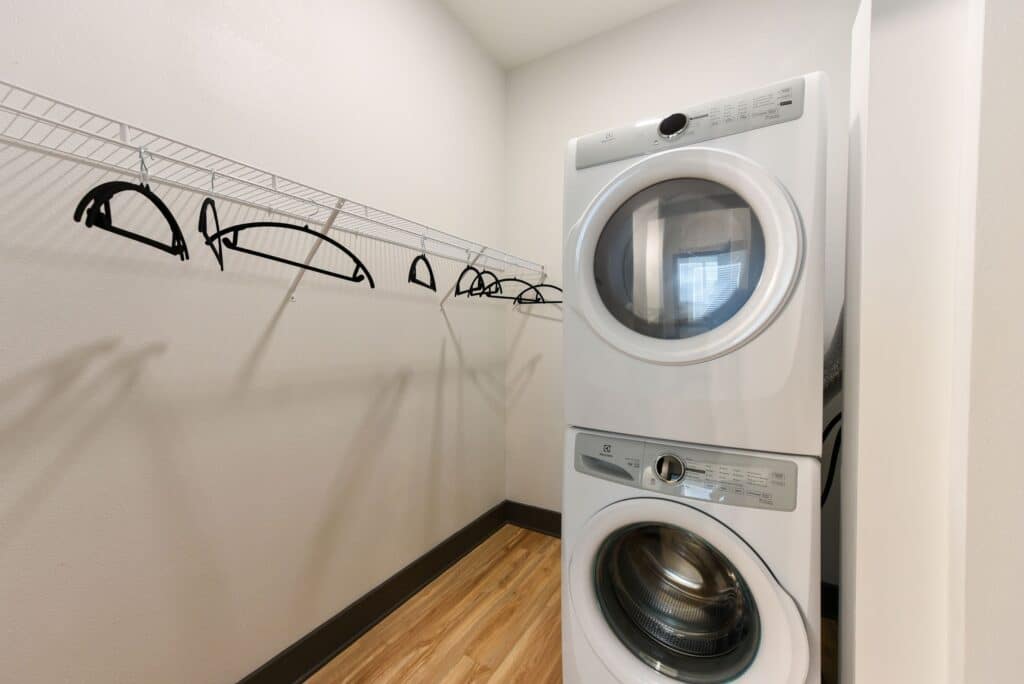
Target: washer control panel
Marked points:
610	458
774	104
722	476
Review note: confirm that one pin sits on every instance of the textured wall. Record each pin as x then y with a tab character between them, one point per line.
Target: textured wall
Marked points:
194	470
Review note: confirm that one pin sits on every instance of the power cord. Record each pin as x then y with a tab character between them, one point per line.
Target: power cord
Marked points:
835	453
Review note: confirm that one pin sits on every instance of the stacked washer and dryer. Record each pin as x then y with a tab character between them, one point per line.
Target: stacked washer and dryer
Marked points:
694	269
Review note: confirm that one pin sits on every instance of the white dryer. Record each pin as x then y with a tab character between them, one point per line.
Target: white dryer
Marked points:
693	273
683	563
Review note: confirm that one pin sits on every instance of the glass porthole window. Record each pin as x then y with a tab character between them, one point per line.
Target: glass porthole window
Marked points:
679	258
677	603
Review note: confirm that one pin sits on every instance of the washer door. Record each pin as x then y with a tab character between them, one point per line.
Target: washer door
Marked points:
666	593
685	256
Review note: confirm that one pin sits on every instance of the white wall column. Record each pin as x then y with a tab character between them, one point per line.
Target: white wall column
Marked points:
993	523
913	130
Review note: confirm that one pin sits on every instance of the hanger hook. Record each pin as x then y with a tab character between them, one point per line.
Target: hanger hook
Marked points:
143	169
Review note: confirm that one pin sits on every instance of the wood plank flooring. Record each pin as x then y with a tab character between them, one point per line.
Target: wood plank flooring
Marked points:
829	652
494	617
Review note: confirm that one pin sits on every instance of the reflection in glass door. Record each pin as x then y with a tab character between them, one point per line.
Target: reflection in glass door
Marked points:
679	258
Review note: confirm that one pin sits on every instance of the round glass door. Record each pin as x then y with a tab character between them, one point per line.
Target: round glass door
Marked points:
677	603
659	592
685	256
679	258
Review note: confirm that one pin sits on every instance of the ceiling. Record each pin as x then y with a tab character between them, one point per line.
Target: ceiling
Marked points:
517	31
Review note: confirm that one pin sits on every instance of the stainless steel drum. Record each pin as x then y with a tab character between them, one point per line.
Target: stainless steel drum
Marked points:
677	603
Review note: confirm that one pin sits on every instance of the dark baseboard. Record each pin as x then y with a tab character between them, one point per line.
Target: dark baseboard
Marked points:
534	518
313	651
829	601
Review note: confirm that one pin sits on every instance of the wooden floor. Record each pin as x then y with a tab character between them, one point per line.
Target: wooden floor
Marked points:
829	652
492	617
495	616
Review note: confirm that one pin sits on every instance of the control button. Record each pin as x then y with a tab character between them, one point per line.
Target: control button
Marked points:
672	125
669	468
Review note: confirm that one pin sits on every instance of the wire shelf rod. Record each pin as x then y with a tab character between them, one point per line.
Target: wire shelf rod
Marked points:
195	171
110	168
53	126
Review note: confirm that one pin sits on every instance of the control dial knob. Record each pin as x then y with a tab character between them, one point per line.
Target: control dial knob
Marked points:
669	468
672	125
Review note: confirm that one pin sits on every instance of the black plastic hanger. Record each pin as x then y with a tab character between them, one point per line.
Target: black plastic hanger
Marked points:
414	276
96	208
458	283
479	287
494	290
217	246
538	296
228	237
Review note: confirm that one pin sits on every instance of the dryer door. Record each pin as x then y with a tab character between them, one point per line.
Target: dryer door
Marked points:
685	256
666	593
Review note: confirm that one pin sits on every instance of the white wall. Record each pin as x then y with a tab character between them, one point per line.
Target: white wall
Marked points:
193	472
913	126
686	54
995	470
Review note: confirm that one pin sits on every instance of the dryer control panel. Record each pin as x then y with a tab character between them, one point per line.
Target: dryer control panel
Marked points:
724	476
774	104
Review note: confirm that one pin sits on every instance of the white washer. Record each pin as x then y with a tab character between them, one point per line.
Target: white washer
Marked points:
693	273
691	564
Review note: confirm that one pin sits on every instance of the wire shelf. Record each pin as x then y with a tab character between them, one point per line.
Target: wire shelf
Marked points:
42	124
